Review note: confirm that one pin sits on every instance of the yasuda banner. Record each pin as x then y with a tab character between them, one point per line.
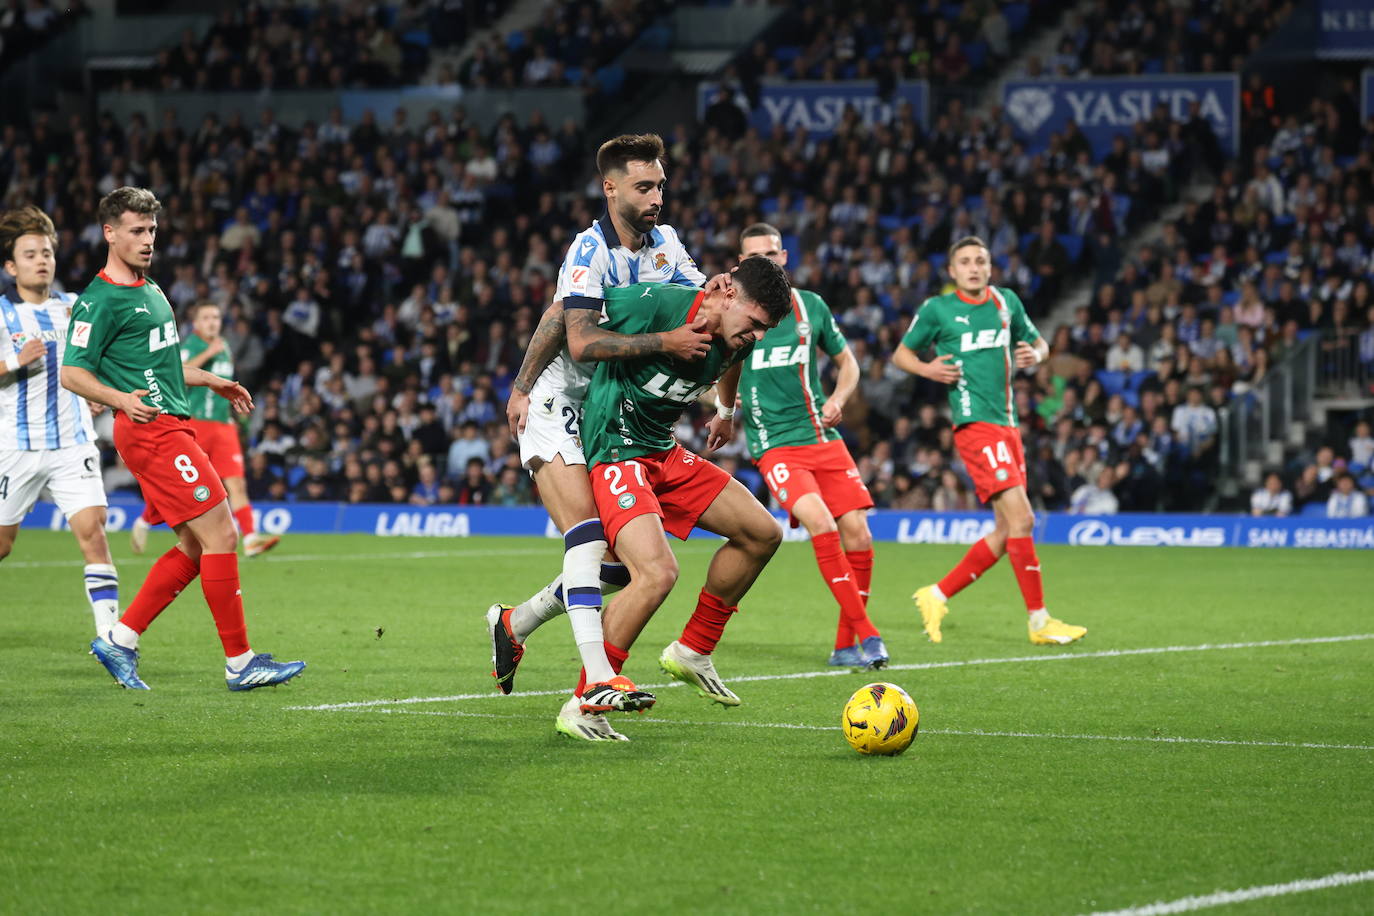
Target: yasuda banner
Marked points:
1345	29
1106	107
1130	530
819	107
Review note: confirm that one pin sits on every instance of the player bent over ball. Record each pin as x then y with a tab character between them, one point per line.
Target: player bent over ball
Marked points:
646	484
981	336
122	351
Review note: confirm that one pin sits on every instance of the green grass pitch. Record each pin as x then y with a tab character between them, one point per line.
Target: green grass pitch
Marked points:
1040	784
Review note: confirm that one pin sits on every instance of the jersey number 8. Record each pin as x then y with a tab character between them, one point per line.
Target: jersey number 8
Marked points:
187	468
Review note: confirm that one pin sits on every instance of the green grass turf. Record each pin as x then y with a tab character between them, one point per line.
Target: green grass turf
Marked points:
193	799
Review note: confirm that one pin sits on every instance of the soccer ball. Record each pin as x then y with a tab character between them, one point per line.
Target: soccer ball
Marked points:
880	719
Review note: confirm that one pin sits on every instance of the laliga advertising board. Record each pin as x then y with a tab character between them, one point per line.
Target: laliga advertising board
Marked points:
1125	530
1109	106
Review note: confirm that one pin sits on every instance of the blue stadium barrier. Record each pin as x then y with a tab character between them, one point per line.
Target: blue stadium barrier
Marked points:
1126	530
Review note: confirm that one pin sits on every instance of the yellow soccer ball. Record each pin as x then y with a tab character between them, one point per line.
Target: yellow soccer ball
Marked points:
880	719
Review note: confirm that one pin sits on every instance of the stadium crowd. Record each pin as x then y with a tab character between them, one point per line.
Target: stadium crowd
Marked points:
380	282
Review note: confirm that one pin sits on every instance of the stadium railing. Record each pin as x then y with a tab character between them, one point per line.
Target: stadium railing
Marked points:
1255	427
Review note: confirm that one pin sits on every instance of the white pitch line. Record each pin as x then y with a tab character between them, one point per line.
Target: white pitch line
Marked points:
315	557
1260	892
958	733
840	672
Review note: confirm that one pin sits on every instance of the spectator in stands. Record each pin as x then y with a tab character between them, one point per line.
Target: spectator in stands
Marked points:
1346	501
1096	498
1272	498
1125	355
1361	447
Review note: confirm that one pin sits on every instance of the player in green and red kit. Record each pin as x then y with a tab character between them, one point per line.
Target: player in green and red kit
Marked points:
214	429
981	336
122	352
790	424
646	484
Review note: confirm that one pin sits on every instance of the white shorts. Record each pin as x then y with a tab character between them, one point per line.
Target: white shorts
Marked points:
70	475
552	427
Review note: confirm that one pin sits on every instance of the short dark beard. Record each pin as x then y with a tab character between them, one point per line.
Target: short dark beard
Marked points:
635	221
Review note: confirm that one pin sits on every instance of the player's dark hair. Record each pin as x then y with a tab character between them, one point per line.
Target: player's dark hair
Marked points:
615	153
762	281
760	230
123	200
195	308
24	221
966	242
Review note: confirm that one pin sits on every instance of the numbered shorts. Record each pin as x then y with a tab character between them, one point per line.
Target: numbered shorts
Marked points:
826	469
71	476
178	479
552	427
676	485
993	457
220	441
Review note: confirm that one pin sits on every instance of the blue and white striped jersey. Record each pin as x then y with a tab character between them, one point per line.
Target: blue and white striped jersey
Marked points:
36	412
597	261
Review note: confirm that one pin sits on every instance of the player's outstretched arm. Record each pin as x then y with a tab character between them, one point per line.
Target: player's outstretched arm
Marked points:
941	369
83	383
228	389
587	340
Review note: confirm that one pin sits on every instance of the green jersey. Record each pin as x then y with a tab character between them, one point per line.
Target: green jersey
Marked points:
205	404
982	336
780	385
632	405
127	337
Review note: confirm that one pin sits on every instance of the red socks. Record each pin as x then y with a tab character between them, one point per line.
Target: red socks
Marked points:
1026	565
219	579
861	561
708	622
172	572
244	516
843	584
614	654
976	562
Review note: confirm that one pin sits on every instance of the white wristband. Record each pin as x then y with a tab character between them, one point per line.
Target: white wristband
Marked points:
725	413
12	364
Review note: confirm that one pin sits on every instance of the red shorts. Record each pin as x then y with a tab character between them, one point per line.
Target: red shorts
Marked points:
676	485
221	442
993	457
178	479
825	468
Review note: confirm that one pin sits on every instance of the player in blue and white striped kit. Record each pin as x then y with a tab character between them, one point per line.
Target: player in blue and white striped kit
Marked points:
47	441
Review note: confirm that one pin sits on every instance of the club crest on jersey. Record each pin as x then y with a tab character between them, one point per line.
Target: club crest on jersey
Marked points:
803	329
983	340
660	261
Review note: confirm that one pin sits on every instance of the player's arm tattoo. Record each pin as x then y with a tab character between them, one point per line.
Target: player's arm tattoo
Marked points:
587	340
544	346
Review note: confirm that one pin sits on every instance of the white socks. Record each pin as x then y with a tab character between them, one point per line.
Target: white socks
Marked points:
102	590
1039	618
122	635
237	663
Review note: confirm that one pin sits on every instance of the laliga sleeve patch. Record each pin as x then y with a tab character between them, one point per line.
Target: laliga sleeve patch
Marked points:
577	279
81	333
